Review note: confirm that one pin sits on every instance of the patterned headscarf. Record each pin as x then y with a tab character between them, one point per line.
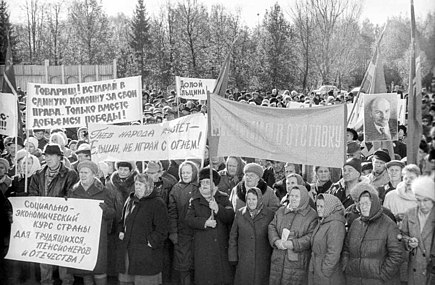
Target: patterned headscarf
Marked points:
259	195
332	205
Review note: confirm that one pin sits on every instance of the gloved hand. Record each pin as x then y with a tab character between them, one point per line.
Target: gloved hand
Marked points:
174	238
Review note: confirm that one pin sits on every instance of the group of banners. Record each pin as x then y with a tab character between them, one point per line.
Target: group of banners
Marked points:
55	231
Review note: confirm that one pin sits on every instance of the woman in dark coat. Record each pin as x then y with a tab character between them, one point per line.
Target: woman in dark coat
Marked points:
209	215
90	187
249	245
290	235
327	242
372	252
144	227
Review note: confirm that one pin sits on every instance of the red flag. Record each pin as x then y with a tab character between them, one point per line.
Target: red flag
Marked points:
222	81
414	98
9	85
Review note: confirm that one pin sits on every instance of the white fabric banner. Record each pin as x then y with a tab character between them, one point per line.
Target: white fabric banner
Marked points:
194	88
8	114
80	104
183	138
55	231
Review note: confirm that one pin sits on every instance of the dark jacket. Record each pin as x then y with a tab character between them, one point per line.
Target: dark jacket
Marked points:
249	246
372	252
238	196
211	244
145	230
97	192
59	186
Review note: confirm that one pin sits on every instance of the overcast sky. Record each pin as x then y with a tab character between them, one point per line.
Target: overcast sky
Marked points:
377	11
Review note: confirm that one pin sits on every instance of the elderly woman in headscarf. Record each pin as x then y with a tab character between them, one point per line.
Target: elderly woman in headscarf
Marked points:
372	252
27	167
232	174
327	242
90	187
418	232
249	246
292	180
31	145
290	236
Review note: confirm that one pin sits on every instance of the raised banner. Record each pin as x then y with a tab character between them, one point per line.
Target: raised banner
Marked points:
8	114
194	88
80	104
313	136
182	138
380	117
55	231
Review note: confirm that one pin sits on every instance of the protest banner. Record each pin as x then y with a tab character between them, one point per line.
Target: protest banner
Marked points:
380	117
194	88
80	104
55	231
8	114
177	139
313	136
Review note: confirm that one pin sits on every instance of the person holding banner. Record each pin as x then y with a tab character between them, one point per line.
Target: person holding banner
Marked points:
210	215
26	171
180	233
90	187
54	180
143	228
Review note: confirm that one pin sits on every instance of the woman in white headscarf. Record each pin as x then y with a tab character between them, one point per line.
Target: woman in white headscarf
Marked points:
26	168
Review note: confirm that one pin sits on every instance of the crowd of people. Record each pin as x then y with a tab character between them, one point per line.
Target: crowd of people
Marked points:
245	220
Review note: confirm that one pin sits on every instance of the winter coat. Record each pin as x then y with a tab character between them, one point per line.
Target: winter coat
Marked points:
59	186
301	224
339	190
249	246
372	252
420	256
379	180
210	244
97	192
5	184
352	213
145	229
238	194
326	245
399	201
227	182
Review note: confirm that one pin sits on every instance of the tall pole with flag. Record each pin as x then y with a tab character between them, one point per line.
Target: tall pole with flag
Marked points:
414	98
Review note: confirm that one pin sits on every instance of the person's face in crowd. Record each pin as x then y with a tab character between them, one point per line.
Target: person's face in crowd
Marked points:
30	148
401	134
381	112
140	189
206	153
251	179
395	173
3	170
19	164
124	172
320	204
290	182
73	147
425	121
186	173
155	175
289	169
29	166
365	203
47	135
86	176
262	162
39	135
349	136
420	154
408	178
251	201
378	165
52	160
82	134
206	188
350	173
11	149
295	198
356	154
215	162
232	166
278	165
424	204
366	172
323	174
83	156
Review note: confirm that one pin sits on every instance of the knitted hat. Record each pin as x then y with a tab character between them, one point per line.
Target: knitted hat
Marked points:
52	149
84	148
254	168
205	174
355	163
424	186
382	155
360	188
153	167
395	163
32	140
88	164
5	163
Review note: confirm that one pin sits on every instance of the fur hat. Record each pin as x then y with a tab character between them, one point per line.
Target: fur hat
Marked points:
89	164
254	168
205	174
424	186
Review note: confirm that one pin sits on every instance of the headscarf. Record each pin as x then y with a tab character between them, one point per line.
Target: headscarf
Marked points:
375	208
36	165
332	205
360	188
303	203
195	171
259	195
